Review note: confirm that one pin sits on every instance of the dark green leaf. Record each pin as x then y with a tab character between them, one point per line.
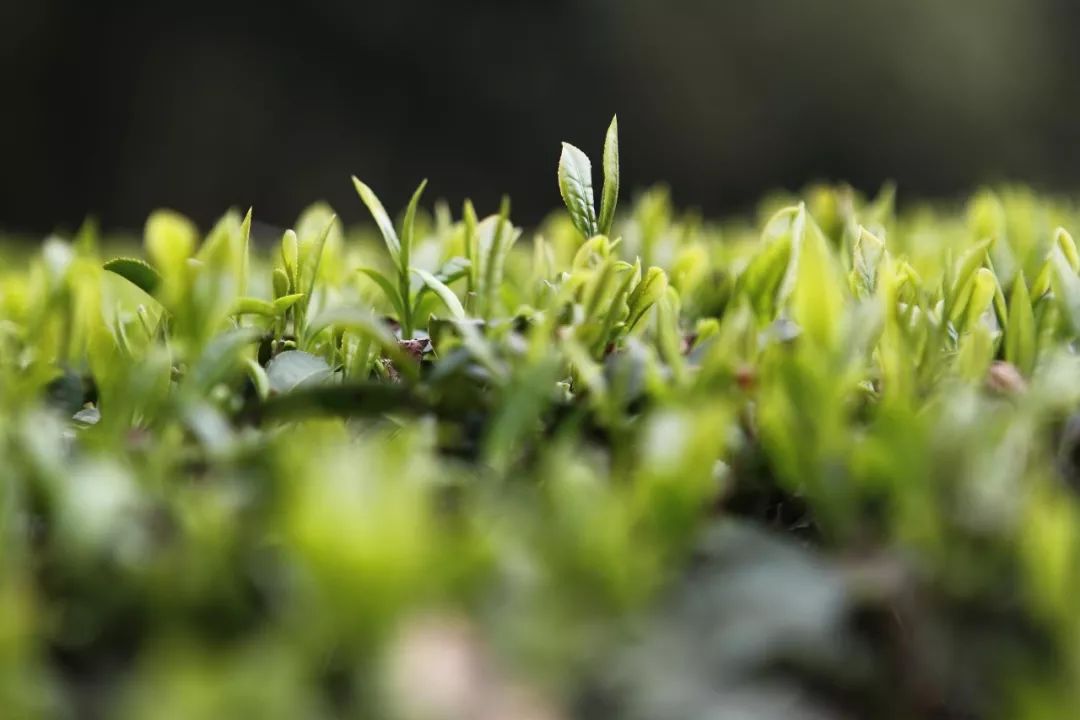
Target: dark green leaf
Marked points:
355	399
137	272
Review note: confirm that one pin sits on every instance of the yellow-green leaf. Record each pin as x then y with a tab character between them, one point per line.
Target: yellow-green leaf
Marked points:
1020	345
610	197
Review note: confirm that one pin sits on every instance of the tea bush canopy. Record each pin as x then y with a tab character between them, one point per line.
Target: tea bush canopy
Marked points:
627	464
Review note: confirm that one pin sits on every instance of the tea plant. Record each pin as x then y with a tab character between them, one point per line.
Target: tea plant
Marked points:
823	464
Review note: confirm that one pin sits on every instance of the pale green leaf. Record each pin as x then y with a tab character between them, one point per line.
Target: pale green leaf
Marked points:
170	240
817	299
1020	337
313	259
285	302
1065	241
445	293
252	306
649	289
575	185
290	256
610	197
1066	288
388	289
382	219
408	227
293	368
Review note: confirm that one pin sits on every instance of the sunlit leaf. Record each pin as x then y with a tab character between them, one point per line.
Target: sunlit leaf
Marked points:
449	299
611	179
1020	337
575	185
408	227
817	300
170	240
382	219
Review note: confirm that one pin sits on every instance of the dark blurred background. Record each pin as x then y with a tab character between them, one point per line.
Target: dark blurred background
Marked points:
115	108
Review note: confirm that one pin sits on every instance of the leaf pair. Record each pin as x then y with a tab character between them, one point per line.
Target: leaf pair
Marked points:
301	258
575	185
400	248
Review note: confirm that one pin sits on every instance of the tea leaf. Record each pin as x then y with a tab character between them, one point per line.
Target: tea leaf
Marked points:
454	269
445	294
982	296
1065	242
258	377
867	254
1020	338
1067	288
388	290
611	179
280	282
408	227
253	306
290	256
294	368
382	220
472	248
138	272
170	240
314	259
220	358
575	185
817	301
649	290
245	252
283	303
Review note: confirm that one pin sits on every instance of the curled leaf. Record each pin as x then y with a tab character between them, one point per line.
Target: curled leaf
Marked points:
449	299
138	272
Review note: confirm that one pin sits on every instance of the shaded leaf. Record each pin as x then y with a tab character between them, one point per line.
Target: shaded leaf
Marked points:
346	400
220	358
388	289
292	368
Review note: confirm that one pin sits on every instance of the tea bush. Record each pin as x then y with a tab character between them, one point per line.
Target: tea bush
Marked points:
639	465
